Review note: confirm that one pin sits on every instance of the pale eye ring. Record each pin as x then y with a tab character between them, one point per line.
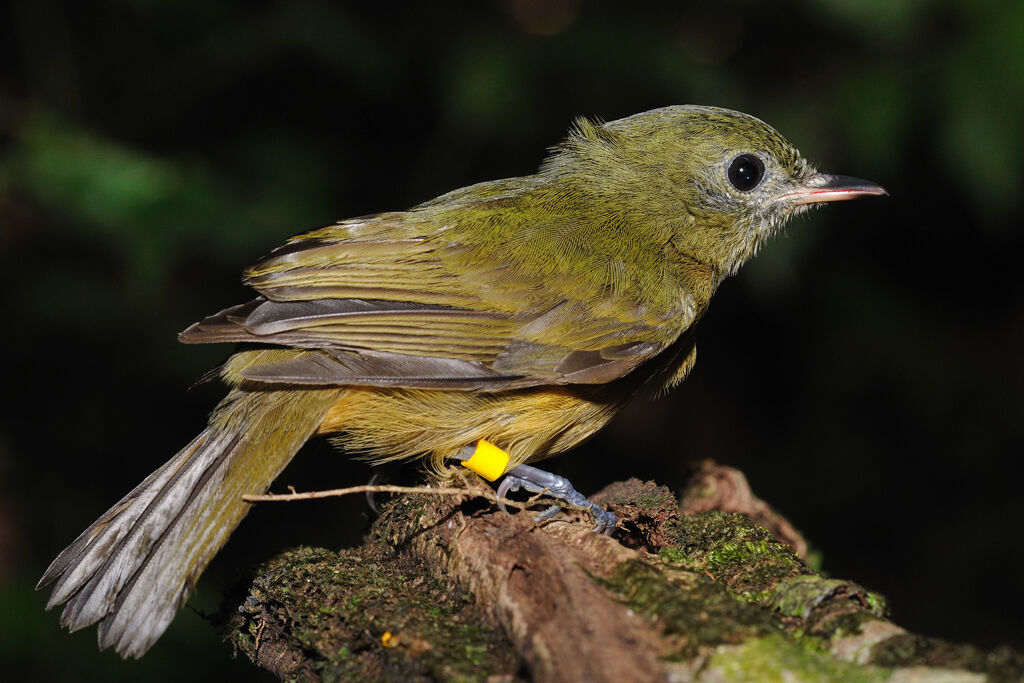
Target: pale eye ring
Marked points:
746	172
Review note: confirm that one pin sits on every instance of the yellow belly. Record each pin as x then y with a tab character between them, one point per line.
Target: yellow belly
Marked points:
531	424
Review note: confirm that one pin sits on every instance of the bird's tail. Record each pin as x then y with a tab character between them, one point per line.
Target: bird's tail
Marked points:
135	566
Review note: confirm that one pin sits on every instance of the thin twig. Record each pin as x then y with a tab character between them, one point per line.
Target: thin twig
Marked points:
537	496
385	488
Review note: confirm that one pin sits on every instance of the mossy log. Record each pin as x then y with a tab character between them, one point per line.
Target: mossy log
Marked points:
712	587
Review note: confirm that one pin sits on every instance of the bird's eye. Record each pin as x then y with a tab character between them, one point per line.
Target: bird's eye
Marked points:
745	172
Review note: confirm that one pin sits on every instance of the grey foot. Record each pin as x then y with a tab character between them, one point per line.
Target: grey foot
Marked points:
536	480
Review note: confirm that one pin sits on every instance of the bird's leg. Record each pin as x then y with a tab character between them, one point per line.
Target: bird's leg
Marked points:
537	480
489	461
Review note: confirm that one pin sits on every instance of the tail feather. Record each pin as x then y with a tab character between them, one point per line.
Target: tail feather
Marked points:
134	567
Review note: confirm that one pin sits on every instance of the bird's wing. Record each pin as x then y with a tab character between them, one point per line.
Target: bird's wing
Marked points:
410	300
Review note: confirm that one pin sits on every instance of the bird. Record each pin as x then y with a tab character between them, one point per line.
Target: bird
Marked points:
523	312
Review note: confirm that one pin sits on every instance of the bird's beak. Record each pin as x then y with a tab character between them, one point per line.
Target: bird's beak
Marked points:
822	187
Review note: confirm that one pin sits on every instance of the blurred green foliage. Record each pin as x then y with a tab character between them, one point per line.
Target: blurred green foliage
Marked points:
865	371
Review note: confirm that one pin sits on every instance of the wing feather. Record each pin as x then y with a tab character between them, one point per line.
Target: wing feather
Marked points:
375	368
405	299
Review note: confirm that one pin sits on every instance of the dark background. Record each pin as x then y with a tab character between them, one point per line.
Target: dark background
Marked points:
866	371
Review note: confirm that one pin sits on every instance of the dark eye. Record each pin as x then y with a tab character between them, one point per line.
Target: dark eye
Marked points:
745	172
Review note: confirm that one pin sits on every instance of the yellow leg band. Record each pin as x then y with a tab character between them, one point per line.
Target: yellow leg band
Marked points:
487	460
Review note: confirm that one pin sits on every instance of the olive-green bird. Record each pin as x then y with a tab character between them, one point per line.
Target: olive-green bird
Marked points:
523	311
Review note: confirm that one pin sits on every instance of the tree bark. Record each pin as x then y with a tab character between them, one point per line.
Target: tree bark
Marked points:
712	587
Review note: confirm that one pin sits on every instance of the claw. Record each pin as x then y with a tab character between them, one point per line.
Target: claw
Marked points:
605	519
510	484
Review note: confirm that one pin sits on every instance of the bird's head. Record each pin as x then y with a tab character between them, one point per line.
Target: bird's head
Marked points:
724	180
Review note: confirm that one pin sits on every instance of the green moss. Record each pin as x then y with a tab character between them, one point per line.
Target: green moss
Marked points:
877	603
673	554
796	597
694	613
656	498
736	552
400	518
774	641
774	658
800	595
764	573
335	608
